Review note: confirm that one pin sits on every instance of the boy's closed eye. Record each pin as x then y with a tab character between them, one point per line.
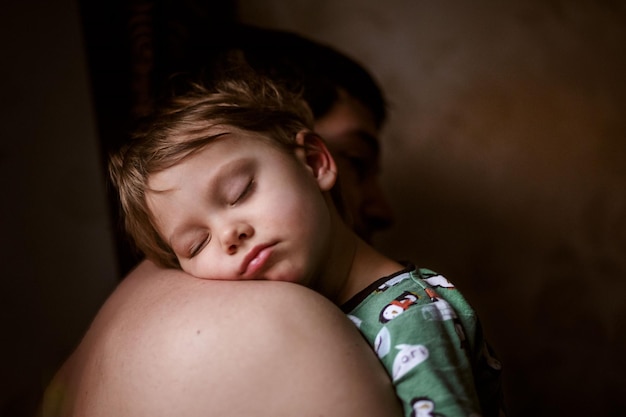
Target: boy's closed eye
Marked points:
235	182
198	246
242	189
193	244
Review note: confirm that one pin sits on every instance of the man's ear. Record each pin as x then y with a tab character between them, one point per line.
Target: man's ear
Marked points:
315	155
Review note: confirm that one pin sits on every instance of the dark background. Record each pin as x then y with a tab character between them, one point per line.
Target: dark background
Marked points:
503	158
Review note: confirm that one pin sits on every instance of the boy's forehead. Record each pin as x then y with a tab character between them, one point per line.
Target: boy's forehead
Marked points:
163	181
230	143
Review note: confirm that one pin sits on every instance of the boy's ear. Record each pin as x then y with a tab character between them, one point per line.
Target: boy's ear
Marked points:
317	158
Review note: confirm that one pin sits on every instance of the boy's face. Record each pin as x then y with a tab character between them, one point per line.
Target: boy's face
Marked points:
242	209
351	134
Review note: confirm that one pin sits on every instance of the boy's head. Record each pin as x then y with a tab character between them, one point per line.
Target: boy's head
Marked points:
348	106
229	182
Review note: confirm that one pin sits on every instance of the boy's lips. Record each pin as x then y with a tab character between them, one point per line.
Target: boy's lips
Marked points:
255	260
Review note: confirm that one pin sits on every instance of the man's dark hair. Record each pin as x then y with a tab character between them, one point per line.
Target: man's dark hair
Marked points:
316	69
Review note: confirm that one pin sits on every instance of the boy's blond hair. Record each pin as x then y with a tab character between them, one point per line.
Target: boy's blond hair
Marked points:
179	128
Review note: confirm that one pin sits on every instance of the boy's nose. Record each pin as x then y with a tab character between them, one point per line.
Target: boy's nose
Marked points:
234	236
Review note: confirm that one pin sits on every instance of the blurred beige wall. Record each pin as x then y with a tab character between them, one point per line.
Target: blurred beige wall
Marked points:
505	160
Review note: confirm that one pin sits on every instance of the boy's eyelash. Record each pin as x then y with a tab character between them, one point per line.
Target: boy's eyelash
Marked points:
195	249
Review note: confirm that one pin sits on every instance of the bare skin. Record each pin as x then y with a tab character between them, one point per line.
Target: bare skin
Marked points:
167	344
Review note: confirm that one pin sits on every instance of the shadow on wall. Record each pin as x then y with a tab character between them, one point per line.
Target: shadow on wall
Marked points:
507	136
520	194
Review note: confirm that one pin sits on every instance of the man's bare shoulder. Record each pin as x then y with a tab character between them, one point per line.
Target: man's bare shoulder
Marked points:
156	303
166	343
